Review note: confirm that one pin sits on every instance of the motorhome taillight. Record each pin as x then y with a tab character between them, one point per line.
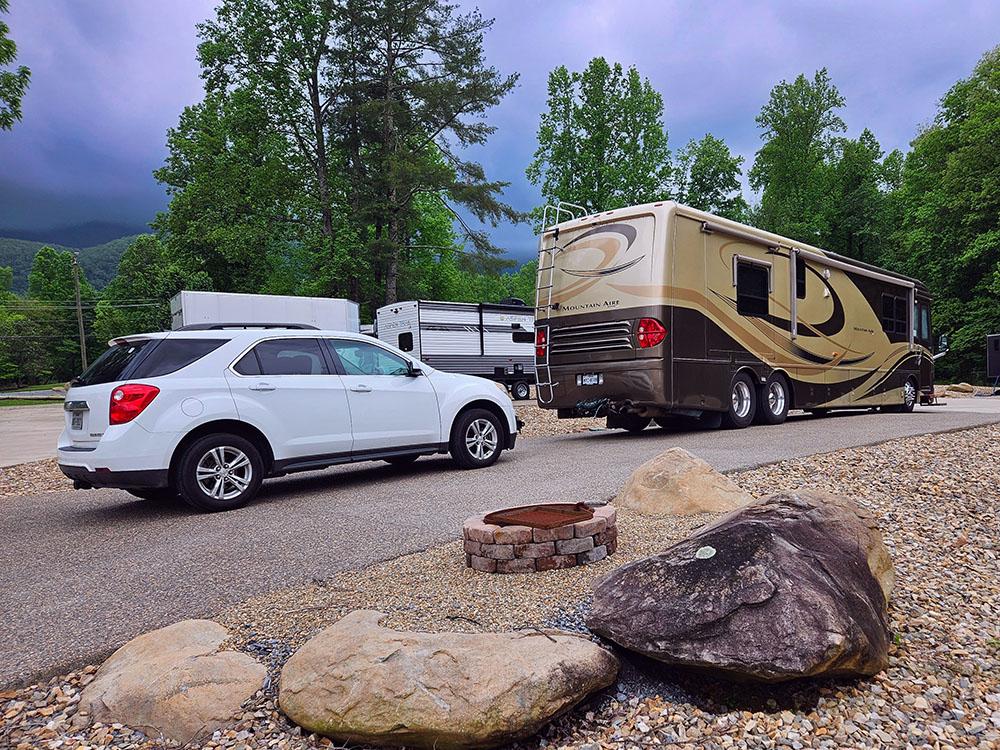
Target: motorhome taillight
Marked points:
649	332
129	401
540	342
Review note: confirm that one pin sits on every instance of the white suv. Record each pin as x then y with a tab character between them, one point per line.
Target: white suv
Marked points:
207	414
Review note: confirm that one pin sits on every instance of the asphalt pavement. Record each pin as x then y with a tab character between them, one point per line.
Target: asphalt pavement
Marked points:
82	572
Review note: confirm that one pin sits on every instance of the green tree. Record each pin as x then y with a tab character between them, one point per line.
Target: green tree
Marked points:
233	214
415	86
137	300
14	82
601	141
707	177
856	209
51	302
950	199
799	123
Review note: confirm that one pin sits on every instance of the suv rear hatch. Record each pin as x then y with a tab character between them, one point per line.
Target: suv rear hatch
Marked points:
88	399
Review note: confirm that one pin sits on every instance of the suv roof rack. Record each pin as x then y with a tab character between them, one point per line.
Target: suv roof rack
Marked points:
246	326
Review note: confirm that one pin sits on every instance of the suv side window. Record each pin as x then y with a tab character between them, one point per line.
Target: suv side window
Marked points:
171	355
362	358
284	357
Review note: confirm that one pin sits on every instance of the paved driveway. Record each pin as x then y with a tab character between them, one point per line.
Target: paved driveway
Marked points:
29	433
81	572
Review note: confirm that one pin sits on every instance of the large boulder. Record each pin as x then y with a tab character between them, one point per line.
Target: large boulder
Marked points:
172	682
783	588
358	682
677	483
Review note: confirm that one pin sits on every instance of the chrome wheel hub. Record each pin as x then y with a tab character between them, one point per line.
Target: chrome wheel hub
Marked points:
481	439
741	399
909	393
776	398
224	473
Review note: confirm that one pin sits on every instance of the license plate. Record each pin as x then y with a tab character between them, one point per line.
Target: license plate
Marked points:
590	378
77	423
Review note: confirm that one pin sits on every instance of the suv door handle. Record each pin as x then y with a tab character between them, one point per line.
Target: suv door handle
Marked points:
262	387
361	388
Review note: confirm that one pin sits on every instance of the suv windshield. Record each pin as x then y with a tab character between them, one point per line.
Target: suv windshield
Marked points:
109	366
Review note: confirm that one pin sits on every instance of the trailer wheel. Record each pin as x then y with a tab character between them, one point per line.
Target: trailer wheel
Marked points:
521	390
742	403
773	400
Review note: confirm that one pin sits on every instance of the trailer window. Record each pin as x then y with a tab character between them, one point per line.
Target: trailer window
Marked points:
800	277
752	287
405	342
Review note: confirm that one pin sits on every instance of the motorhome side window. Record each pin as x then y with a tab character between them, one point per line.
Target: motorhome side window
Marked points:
752	287
894	317
405	342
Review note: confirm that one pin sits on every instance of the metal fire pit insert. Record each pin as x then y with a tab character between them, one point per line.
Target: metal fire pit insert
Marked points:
541	516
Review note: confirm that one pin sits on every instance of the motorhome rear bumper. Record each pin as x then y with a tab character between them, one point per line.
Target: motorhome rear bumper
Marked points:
643	383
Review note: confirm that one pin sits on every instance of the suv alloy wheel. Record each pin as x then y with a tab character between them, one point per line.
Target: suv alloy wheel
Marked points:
219	472
477	438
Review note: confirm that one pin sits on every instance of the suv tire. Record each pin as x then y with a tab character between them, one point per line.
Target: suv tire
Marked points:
742	403
477	439
219	472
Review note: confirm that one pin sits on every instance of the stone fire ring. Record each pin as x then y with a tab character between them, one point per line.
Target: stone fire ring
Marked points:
522	549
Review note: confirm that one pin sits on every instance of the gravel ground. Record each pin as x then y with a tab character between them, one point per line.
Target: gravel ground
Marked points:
936	498
32	478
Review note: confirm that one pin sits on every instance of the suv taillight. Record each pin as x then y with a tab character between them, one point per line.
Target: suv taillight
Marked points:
540	343
128	402
649	332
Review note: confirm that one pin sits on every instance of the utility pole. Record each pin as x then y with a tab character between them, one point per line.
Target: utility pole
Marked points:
79	311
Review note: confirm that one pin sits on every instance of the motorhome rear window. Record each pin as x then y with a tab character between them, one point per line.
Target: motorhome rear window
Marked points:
405	342
171	355
752	287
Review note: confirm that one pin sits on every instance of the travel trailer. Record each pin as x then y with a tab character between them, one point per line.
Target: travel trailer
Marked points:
660	310
492	341
204	308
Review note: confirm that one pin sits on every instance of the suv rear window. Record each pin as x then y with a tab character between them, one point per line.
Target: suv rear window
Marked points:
173	354
109	366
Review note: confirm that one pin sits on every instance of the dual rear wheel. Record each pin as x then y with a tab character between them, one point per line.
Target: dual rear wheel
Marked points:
751	402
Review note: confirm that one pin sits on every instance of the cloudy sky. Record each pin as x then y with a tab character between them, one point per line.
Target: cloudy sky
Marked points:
110	76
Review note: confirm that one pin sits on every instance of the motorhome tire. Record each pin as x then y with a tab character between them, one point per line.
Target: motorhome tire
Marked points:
909	399
773	400
742	403
521	390
477	439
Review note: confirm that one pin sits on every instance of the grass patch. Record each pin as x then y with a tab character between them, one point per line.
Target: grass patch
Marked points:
42	387
6	402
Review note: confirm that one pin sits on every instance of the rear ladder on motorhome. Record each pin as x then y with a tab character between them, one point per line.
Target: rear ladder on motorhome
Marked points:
544	387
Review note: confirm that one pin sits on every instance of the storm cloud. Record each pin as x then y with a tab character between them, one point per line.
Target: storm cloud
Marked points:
108	79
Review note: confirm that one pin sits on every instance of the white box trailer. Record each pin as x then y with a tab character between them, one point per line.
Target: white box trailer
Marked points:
495	341
325	313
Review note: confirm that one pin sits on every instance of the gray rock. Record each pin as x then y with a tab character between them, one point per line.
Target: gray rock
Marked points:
788	592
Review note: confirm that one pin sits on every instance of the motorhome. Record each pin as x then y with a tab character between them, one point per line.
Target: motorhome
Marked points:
658	310
494	341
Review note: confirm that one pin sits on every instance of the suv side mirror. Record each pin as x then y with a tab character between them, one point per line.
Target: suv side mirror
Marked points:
412	371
